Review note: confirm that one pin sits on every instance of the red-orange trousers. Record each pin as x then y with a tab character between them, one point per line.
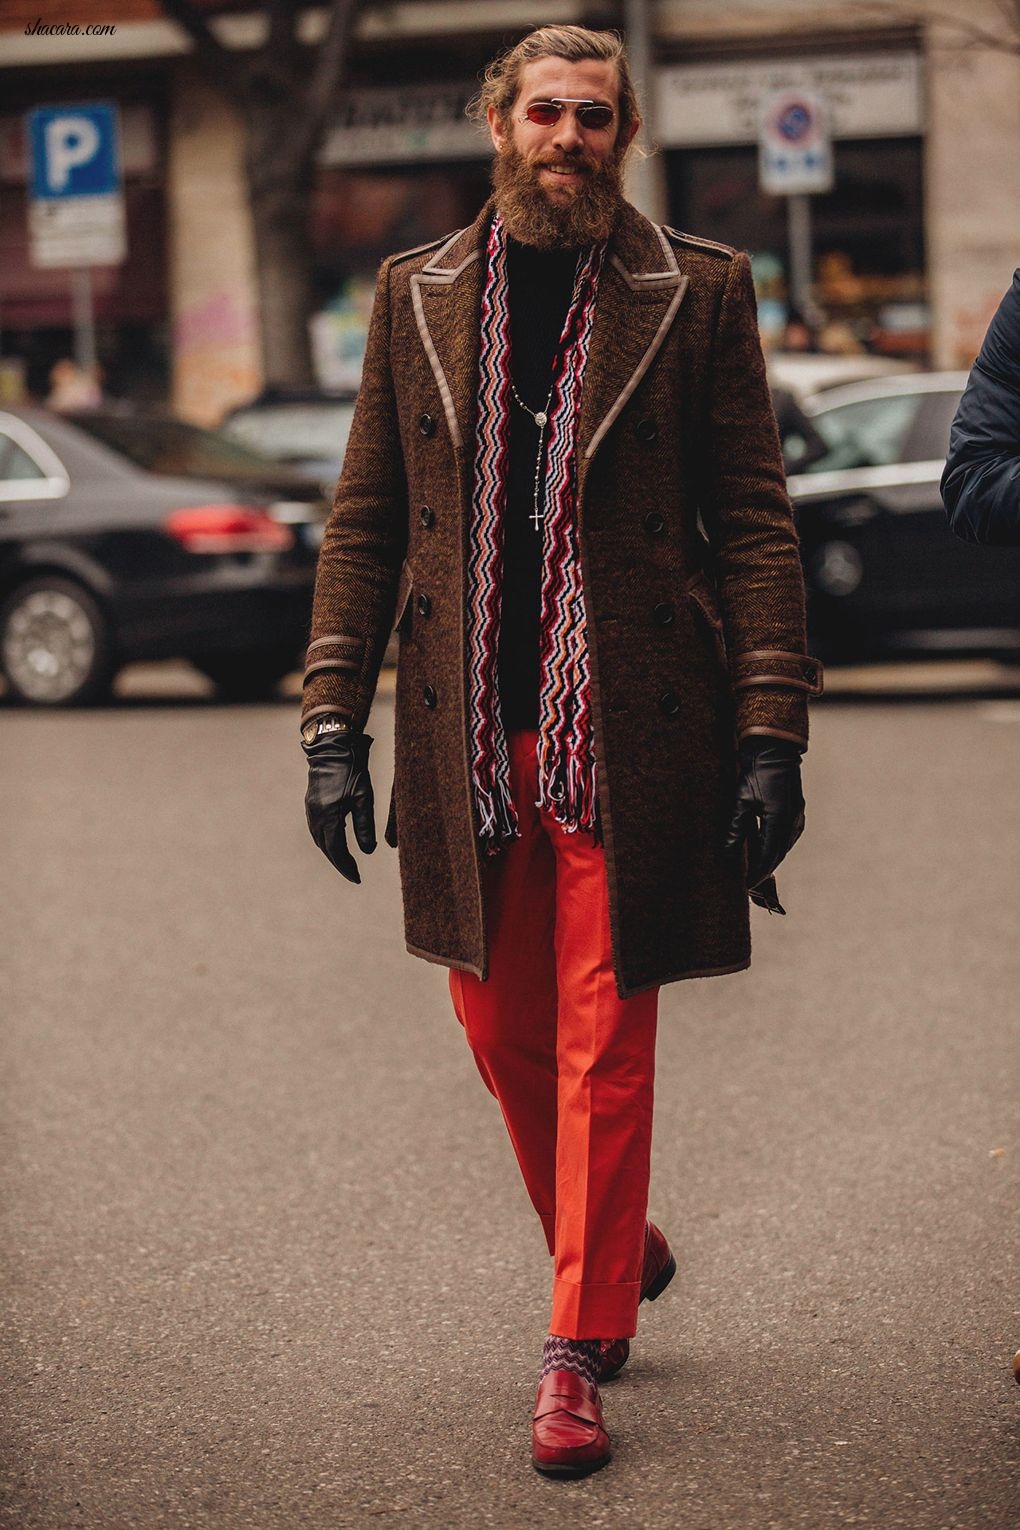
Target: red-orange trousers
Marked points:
570	1062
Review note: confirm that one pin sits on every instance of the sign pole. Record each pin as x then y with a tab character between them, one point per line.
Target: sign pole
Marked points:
76	209
84	319
801	254
795	160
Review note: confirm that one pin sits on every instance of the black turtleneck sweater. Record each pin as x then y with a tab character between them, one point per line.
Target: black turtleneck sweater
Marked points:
541	284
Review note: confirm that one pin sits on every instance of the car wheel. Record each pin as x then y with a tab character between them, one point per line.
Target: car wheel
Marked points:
55	646
250	676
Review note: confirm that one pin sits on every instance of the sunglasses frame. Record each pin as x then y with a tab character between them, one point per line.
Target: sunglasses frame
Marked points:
580	102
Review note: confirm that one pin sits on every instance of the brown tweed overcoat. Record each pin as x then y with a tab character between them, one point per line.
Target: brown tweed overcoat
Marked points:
693	588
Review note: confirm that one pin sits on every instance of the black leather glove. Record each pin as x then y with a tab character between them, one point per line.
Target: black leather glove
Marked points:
338	784
769	813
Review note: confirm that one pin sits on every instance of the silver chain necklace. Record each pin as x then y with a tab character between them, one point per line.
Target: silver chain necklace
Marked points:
541	419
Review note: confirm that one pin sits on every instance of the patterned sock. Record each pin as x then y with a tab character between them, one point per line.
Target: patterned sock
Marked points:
581	1355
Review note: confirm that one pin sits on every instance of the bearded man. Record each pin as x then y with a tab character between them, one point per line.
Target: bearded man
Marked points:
564	481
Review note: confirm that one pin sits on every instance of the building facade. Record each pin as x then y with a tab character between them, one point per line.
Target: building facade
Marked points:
909	252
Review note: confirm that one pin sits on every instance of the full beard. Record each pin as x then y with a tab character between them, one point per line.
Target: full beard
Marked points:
532	217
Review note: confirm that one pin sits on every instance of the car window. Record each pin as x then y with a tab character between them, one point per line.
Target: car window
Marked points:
929	439
867	433
294	432
172	447
15	462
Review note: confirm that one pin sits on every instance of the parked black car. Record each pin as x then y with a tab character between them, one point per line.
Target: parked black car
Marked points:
885	576
126	536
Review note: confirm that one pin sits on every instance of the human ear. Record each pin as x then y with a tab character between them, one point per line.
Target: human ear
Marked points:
497	128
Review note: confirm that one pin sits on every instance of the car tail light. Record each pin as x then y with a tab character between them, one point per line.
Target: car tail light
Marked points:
227	529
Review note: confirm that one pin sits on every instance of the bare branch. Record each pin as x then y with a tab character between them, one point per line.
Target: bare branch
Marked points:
1009	10
969	33
282	33
328	66
976	36
211	52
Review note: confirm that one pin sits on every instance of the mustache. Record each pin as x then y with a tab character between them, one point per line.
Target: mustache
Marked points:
580	162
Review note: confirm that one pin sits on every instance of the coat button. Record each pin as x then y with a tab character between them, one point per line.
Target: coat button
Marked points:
427	515
654	523
647	430
429	697
663	614
423	605
669	703
427	425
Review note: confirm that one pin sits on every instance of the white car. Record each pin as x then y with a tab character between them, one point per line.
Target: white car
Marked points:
885	575
806	374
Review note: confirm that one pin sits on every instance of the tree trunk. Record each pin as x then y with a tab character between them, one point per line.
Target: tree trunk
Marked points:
283	250
283	91
280	178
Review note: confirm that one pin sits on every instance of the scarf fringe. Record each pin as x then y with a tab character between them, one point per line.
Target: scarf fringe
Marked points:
571	795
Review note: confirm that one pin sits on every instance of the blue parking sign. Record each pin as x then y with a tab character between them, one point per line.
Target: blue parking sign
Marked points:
76	212
75	151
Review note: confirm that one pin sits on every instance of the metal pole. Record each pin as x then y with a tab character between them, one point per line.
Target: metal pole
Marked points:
84	320
801	259
646	178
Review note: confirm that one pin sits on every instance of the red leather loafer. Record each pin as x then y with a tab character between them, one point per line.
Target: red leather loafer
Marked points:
615	1354
656	1273
568	1434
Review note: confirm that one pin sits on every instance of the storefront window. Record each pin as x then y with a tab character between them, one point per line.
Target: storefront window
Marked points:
867	234
361	216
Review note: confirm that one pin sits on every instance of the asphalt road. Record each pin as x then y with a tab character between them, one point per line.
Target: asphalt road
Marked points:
266	1259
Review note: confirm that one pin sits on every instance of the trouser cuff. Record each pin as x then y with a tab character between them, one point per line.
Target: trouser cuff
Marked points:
595	1312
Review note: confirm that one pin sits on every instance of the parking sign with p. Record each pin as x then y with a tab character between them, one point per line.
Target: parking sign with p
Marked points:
76	217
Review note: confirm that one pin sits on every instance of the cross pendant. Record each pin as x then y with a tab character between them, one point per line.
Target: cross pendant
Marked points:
537	515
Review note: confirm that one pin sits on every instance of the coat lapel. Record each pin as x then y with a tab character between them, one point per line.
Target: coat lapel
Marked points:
447	297
640	291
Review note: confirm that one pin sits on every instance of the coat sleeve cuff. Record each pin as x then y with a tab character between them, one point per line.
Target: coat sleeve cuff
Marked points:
776	667
781	714
771	687
334	677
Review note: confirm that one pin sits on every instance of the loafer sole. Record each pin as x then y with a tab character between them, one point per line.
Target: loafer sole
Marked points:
661	1281
571	1468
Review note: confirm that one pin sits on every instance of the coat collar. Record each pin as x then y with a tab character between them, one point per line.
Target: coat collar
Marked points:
640	291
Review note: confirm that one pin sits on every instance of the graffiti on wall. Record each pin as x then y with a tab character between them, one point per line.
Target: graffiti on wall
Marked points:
216	355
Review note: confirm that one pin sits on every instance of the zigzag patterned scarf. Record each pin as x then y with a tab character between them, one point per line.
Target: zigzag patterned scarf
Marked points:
566	753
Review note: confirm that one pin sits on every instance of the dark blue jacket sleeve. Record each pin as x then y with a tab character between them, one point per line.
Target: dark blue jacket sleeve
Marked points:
981	483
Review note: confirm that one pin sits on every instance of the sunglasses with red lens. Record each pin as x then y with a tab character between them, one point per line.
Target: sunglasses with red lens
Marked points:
590	114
